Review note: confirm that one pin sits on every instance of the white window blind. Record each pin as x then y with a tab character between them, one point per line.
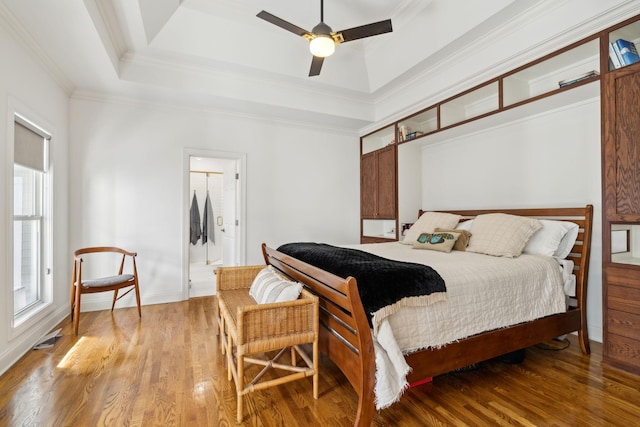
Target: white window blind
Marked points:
29	148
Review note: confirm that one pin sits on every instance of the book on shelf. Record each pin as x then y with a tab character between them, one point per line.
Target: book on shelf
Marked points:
585	76
613	57
624	51
403	131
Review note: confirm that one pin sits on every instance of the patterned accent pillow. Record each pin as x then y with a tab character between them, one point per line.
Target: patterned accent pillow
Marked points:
463	238
442	242
501	234
427	223
270	286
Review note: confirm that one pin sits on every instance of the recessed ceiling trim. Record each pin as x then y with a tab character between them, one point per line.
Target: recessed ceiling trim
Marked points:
16	29
155	14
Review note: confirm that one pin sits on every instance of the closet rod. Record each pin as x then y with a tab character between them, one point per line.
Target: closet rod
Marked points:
208	172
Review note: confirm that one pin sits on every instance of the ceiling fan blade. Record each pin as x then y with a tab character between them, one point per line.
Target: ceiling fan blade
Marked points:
366	30
282	23
316	66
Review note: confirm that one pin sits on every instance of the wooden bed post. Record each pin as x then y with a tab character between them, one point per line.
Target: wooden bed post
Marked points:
583	275
366	394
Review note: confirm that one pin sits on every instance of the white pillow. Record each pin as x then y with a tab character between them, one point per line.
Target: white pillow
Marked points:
501	234
567	242
546	241
270	286
427	223
465	225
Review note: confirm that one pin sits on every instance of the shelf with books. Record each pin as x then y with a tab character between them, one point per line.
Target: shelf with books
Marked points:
378	139
417	125
469	105
623	44
551	73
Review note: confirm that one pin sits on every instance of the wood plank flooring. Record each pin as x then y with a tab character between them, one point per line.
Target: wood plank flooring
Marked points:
167	370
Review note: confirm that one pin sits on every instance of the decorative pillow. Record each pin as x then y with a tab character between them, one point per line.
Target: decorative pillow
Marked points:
465	225
501	234
427	223
463	238
270	286
567	242
546	241
442	242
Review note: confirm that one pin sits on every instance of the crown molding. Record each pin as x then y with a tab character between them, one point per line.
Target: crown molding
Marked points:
107	25
17	31
213	78
268	114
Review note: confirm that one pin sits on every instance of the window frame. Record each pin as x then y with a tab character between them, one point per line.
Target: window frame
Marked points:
21	322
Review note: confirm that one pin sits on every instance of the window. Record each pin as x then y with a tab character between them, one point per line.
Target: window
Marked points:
31	233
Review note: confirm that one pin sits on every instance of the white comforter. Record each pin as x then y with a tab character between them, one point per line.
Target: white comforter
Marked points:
483	293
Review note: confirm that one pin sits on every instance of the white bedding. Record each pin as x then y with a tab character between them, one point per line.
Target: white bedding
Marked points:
483	293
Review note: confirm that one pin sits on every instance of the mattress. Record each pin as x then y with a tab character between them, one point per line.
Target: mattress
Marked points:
483	293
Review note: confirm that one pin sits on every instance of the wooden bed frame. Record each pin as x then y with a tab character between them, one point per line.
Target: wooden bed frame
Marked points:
345	335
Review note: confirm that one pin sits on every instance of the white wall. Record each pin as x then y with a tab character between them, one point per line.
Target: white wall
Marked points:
546	160
127	184
27	89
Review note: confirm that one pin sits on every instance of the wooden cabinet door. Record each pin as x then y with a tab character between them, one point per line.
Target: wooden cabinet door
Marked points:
368	185
622	146
378	184
387	183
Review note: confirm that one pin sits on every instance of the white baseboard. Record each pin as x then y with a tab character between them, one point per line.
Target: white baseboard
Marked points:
19	346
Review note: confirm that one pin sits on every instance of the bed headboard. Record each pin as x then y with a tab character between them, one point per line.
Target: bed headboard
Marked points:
582	216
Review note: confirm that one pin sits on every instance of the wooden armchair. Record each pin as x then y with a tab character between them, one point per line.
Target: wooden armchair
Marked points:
121	280
249	330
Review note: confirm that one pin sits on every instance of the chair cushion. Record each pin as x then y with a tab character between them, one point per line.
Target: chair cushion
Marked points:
108	281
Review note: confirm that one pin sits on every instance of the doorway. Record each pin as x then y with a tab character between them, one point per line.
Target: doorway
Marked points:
215	218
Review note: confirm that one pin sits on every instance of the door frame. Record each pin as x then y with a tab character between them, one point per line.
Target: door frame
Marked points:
241	213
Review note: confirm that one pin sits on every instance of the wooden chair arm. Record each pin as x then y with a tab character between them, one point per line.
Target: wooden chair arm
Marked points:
236	277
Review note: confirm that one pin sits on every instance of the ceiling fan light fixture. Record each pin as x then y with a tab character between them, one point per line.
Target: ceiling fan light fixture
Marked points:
322	46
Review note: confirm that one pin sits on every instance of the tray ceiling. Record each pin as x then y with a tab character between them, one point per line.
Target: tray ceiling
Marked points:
219	53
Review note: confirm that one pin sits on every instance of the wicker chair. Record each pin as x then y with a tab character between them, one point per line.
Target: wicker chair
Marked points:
253	329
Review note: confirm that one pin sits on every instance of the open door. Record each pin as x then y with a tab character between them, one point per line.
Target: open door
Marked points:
230	221
217	174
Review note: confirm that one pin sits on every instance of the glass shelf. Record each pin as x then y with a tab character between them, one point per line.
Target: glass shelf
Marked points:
472	104
625	243
380	228
571	66
379	139
417	125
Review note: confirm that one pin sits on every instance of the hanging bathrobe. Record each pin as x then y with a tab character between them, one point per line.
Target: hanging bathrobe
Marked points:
208	225
194	214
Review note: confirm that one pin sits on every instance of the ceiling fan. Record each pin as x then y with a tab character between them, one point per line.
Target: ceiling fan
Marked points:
323	40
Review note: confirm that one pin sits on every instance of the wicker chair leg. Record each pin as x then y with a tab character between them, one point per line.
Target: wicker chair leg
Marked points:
240	385
221	332
316	375
229	358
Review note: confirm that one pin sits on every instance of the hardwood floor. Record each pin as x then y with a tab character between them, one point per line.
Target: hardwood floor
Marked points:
167	370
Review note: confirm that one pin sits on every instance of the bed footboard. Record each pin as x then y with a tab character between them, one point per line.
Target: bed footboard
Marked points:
345	336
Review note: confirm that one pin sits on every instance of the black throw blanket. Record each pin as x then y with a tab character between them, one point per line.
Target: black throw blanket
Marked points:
381	281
